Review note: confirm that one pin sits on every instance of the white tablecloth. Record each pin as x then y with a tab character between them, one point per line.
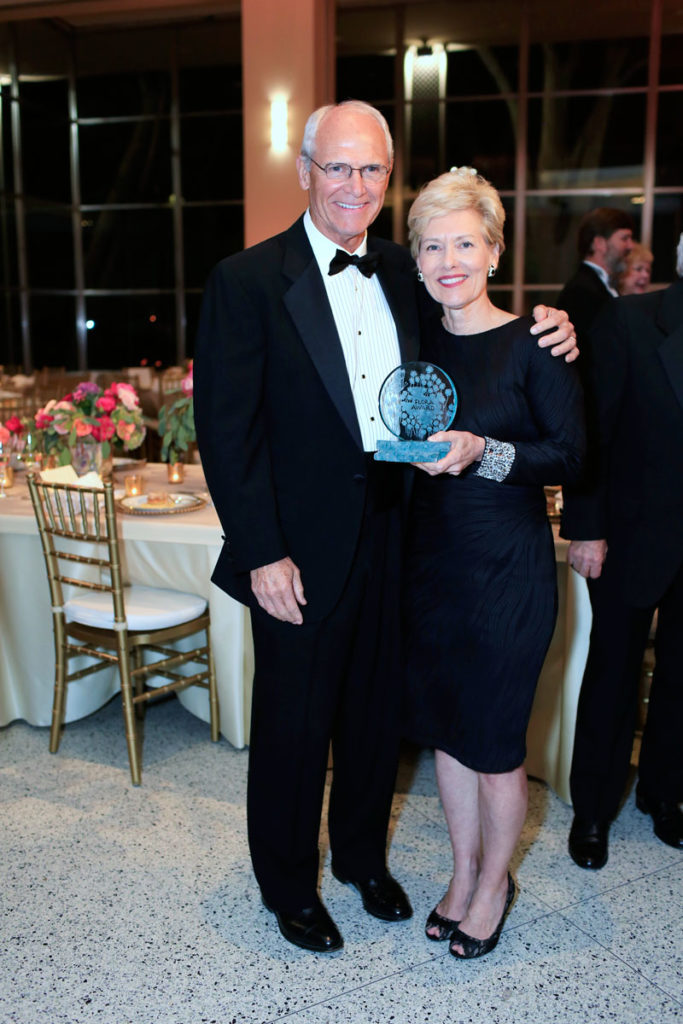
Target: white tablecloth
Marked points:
179	552
174	551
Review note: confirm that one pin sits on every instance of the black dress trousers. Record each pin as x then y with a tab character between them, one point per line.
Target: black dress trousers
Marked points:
332	681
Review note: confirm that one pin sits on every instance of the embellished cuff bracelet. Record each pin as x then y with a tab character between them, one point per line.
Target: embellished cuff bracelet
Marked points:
496	462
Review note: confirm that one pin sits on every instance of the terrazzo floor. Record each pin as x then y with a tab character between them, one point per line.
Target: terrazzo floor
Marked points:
132	905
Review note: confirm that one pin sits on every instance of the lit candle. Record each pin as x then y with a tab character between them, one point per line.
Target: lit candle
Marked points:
176	472
133	484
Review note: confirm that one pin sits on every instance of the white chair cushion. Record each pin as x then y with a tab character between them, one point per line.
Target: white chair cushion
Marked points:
146	608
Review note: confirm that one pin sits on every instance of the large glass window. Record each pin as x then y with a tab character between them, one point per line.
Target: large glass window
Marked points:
123	210
554	103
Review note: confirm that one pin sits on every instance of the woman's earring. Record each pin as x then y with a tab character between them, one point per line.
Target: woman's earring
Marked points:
420	275
492	271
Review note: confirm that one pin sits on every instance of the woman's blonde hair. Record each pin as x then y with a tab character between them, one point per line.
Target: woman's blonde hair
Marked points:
461	188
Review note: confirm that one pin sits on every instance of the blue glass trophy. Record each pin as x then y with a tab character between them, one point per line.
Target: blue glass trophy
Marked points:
415	401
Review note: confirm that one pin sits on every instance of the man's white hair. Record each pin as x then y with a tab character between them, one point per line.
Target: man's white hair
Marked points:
679	256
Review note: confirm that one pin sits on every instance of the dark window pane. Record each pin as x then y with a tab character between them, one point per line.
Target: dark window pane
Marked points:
552	227
502	298
10	332
482	135
383	224
211	88
125	163
8	244
669	161
368	77
210	233
671	69
481	70
667	228
129	328
53	331
538	296
193	302
128	249
45	140
211	156
145	92
586	141
504	274
49	242
588	64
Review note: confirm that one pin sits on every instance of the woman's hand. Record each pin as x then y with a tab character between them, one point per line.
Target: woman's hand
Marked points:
466	448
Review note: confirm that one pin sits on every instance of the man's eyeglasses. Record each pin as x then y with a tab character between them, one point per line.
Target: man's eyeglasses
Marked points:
341	172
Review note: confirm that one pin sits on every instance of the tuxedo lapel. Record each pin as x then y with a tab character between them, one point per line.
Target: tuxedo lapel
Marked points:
308	305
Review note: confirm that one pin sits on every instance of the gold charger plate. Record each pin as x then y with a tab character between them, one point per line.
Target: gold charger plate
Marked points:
136	505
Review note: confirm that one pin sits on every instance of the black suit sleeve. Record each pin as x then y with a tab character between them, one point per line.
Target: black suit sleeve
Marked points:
585	509
230	419
555	402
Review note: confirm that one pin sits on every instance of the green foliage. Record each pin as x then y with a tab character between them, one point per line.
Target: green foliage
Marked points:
176	428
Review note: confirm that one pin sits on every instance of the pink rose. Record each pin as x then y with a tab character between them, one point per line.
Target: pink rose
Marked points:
128	396
106	403
4	434
43	419
82	428
104	428
125	430
14	425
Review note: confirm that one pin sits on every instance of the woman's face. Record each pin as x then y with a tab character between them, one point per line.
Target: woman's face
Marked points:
454	258
636	280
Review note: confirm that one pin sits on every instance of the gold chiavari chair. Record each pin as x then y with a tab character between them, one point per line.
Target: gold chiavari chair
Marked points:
95	615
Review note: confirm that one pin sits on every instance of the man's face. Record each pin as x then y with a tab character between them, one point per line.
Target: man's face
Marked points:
617	248
343	210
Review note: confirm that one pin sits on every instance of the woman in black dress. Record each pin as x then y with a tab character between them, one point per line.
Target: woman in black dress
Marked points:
481	587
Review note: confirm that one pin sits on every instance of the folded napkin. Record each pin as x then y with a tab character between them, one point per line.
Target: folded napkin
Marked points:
68	475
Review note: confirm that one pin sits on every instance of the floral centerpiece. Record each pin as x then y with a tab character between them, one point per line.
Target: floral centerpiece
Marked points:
11	431
176	422
90	414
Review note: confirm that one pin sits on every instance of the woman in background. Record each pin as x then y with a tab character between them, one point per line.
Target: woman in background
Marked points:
635	277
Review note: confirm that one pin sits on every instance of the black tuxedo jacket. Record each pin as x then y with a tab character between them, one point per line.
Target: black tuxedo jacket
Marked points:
636	498
583	297
276	423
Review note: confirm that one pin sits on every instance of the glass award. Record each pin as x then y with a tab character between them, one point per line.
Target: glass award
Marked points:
415	401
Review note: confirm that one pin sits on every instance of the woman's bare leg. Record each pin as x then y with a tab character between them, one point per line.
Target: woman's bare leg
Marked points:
502	810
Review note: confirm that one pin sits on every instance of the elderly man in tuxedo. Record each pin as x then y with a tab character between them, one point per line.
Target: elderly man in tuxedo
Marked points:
626	531
296	336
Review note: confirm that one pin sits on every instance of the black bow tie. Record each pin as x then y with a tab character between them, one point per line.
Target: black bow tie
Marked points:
366	264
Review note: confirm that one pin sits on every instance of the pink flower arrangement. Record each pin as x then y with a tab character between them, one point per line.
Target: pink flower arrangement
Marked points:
107	416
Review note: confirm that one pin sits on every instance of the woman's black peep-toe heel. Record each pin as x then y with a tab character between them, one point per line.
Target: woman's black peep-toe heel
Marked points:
446	926
472	947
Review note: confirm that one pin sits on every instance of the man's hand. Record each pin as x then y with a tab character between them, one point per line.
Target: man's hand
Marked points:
279	590
562	342
466	448
586	557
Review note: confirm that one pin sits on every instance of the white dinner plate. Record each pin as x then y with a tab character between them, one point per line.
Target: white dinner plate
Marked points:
139	504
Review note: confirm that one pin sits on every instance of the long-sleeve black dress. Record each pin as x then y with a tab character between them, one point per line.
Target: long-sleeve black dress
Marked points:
481	595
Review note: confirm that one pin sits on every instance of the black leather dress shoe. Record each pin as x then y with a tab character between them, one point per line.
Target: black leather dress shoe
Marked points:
311	928
382	897
588	843
666	816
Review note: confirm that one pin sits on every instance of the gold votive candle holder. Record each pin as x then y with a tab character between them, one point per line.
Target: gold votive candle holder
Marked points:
133	484
6	474
176	472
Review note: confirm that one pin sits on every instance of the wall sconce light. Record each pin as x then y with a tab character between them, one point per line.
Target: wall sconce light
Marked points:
278	125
